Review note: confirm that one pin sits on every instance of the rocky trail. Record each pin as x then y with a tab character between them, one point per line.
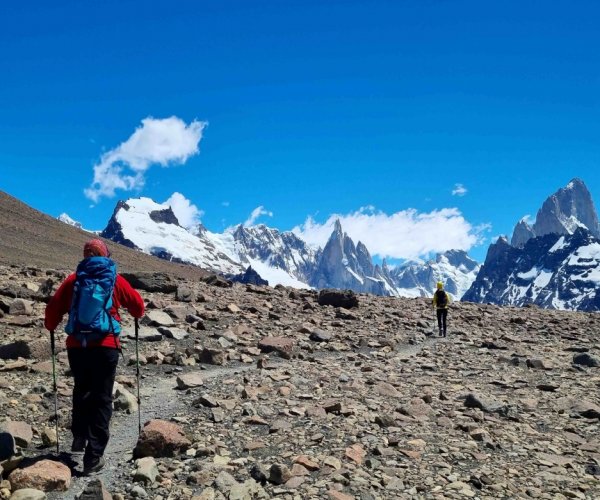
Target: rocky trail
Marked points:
260	392
160	401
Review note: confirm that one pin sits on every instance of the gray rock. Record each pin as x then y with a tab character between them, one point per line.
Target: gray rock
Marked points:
38	349
213	356
224	482
184	294
146	470
189	380
318	335
146	334
173	333
138	492
95	490
151	282
586	359
338	298
7	445
488	405
124	400
21	307
279	474
28	494
157	318
21	432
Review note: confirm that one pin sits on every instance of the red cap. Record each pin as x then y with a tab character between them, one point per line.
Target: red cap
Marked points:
95	248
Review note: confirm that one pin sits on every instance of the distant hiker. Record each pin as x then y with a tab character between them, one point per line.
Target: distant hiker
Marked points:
441	300
92	296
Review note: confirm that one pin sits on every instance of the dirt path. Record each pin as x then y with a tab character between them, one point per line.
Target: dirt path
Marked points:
160	400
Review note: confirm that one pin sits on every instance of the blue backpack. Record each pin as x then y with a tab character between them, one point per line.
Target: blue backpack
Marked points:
89	316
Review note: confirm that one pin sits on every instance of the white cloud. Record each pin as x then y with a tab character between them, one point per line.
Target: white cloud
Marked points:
407	234
164	142
459	190
256	213
225	203
186	212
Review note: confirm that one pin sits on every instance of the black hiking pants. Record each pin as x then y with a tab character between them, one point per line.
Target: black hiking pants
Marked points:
94	370
442	314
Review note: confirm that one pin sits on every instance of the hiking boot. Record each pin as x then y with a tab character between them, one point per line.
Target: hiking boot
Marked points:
78	445
441	333
94	465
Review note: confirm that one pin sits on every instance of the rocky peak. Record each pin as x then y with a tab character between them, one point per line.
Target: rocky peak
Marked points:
566	210
457	258
68	220
337	227
522	233
165	216
571	207
113	230
552	271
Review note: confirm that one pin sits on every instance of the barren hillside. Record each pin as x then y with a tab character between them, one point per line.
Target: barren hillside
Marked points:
30	238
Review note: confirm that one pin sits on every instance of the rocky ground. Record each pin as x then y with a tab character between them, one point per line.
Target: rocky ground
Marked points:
255	392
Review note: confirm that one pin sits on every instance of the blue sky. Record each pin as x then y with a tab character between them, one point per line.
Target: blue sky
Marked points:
313	108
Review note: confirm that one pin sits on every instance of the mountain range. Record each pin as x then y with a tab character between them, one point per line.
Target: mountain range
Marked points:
553	262
282	257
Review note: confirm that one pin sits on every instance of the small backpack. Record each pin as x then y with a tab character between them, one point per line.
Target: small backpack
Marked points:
89	315
441	299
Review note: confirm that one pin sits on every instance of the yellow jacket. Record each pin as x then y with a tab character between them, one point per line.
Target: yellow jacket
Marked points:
435	300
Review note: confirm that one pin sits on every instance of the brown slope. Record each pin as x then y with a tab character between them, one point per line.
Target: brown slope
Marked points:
29	237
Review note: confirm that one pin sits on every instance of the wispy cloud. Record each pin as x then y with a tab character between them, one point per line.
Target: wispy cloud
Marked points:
164	142
256	213
186	212
407	234
459	190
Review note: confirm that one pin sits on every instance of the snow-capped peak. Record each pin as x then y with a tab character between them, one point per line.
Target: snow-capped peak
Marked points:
64	217
153	228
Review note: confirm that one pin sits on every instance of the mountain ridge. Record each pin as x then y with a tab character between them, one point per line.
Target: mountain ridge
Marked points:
280	257
554	263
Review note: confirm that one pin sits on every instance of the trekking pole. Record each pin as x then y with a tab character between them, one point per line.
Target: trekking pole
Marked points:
52	346
137	373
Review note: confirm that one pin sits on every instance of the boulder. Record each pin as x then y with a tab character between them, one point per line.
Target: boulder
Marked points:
21	307
488	405
146	334
338	298
160	438
213	356
586	359
184	294
146	470
280	345
28	494
279	474
318	335
21	432
45	475
157	318
38	349
189	380
123	399
7	445
218	281
95	490
173	333
151	282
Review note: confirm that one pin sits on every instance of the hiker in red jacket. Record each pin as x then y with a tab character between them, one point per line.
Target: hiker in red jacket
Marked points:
93	344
